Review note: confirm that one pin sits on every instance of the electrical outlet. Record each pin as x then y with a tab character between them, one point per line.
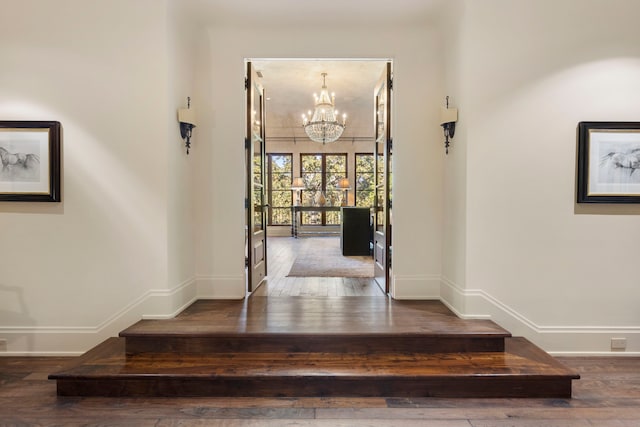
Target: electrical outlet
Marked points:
618	343
3	345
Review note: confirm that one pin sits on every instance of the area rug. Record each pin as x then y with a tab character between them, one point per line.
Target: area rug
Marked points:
323	258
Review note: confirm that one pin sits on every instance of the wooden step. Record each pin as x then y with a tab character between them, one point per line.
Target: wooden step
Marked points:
523	370
207	343
342	325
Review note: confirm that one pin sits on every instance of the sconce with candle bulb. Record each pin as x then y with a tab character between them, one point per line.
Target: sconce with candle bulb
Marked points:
187	119
448	119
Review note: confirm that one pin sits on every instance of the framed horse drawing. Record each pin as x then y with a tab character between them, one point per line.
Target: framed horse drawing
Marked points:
30	161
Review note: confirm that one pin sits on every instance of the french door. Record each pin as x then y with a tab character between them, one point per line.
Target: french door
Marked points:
255	204
382	249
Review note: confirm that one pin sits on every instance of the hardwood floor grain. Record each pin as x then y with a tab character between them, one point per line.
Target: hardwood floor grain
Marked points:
608	394
28	399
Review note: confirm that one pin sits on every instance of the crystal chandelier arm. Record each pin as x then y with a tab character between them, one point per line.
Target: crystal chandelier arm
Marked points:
322	126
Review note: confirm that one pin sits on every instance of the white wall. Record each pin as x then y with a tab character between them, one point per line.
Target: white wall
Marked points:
560	273
417	155
75	272
143	229
183	39
454	242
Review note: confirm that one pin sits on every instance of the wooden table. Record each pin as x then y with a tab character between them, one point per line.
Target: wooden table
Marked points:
297	209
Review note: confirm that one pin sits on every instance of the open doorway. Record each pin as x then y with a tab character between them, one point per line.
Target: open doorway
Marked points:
298	190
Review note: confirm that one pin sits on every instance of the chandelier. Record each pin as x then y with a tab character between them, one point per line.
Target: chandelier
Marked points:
322	126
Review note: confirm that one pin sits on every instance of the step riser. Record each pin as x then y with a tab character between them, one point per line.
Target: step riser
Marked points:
312	344
319	387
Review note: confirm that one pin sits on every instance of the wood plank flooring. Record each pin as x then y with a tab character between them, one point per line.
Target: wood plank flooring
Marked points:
522	370
312	346
315	337
608	395
316	346
313	315
281	253
361	324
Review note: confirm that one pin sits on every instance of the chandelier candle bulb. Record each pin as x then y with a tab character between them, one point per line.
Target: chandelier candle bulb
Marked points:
322	126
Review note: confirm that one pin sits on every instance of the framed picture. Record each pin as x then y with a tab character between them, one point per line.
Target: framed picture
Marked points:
29	161
609	162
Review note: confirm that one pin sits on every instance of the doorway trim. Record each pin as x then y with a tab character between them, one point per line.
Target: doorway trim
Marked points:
381	60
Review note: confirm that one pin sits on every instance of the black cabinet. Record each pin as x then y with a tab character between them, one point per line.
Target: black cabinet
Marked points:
355	231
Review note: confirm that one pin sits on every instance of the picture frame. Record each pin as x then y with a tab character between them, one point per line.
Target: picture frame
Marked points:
30	161
608	162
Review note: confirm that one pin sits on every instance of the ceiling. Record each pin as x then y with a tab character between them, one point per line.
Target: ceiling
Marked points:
290	85
296	12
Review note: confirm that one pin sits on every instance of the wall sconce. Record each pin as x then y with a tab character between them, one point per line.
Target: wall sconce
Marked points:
297	185
187	119
345	186
448	119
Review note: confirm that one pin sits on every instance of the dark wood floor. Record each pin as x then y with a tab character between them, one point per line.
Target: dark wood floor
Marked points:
313	315
608	395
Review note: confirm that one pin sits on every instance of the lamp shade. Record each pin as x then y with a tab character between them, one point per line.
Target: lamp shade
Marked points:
298	184
344	184
187	115
448	115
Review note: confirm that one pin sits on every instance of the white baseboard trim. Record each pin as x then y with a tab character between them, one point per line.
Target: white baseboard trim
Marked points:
466	303
595	353
74	341
167	304
557	340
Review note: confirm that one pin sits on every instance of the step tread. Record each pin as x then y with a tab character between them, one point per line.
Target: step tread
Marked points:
521	359
316	347
374	316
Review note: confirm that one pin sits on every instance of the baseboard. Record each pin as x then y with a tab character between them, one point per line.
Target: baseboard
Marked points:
167	304
161	304
557	340
74	341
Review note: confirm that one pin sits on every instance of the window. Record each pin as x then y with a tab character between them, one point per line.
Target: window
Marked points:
365	184
279	194
321	173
